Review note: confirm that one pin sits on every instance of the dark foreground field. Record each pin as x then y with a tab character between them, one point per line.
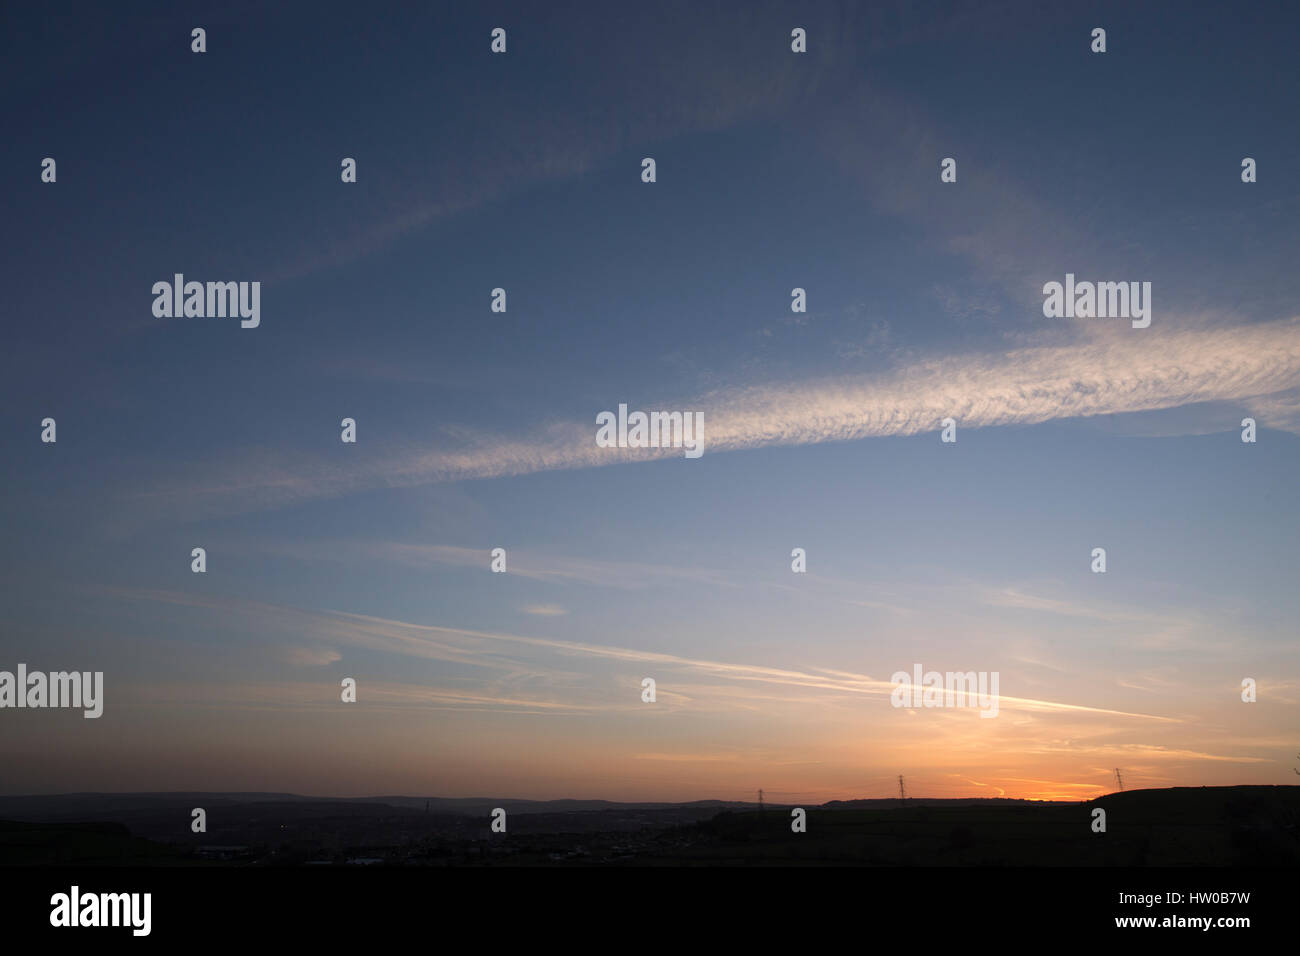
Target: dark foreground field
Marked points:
1211	826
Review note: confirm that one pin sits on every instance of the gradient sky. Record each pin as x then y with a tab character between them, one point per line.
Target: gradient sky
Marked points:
476	430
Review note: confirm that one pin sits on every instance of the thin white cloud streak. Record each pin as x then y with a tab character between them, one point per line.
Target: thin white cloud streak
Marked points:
1149	750
710	758
1021	387
1001	792
462	644
565	569
536	566
1014	598
311	656
1143	370
323	695
641	99
545	610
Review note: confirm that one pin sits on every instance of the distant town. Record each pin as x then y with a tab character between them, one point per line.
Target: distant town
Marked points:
1210	826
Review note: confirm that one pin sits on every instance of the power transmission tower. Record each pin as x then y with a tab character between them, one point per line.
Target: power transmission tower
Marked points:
1119	780
902	793
760	801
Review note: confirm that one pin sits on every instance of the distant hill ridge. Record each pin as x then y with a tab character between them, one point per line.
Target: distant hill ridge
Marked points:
91	805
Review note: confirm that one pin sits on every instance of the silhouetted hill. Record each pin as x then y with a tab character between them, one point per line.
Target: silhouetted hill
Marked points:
79	844
896	802
1185	826
114	805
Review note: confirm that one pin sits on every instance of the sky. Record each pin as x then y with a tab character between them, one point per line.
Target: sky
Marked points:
476	429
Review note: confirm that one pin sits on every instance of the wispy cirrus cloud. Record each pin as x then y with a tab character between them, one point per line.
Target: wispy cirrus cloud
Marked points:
545	610
323	696
1150	751
1256	365
626	98
497	649
311	656
555	568
1012	597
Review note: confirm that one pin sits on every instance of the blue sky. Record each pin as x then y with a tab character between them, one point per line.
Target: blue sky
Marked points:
475	429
